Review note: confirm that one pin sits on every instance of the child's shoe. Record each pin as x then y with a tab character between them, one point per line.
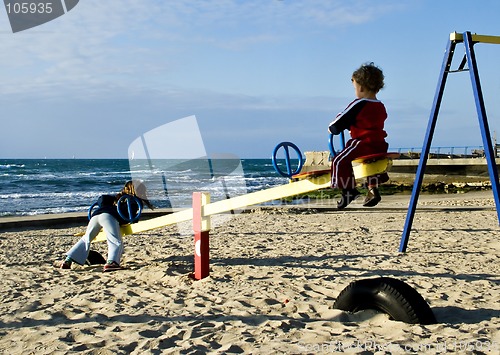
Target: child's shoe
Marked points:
372	198
347	197
65	265
111	266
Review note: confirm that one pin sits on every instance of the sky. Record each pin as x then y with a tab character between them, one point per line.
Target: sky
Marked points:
253	72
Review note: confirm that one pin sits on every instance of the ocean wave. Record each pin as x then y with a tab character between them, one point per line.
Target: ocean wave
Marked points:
45	195
44	211
31	187
10	166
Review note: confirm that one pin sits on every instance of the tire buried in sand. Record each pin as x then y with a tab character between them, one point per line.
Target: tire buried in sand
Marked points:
388	295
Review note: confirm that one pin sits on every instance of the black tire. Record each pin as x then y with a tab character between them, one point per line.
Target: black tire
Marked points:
95	258
391	296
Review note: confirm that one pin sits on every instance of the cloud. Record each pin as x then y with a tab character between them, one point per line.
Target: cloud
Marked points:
103	44
85	46
138	64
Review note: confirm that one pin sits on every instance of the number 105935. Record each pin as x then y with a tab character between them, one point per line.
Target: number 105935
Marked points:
29	8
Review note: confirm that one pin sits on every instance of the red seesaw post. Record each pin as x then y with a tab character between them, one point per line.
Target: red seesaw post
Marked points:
201	228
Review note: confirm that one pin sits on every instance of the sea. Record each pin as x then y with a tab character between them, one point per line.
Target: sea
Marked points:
54	186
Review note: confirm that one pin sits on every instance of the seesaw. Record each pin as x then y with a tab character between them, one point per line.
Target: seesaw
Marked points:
222	206
300	183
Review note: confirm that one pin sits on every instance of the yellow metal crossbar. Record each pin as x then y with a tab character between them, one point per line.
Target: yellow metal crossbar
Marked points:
238	202
459	37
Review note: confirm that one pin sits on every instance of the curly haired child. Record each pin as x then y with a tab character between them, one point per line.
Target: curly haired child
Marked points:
364	118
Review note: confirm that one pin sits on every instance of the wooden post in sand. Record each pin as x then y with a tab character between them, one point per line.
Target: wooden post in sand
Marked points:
201	228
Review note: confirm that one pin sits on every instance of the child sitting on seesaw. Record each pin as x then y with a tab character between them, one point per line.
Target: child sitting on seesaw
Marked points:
364	118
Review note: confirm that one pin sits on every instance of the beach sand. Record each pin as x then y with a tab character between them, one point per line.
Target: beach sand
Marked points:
275	274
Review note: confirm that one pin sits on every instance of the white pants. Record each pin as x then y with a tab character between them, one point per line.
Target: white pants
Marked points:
80	251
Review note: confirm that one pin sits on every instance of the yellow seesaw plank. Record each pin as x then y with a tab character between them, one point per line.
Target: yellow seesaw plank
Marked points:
373	168
153	223
238	202
275	193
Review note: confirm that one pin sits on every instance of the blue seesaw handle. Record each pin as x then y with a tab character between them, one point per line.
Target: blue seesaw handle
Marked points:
289	172
130	218
129	199
331	144
91	208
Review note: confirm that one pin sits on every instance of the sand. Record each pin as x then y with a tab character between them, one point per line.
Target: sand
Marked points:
275	274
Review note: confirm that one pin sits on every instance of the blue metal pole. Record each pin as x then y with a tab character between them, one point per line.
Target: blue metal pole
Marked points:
483	121
450	49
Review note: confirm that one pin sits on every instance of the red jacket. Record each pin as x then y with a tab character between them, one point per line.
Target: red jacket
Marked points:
364	118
